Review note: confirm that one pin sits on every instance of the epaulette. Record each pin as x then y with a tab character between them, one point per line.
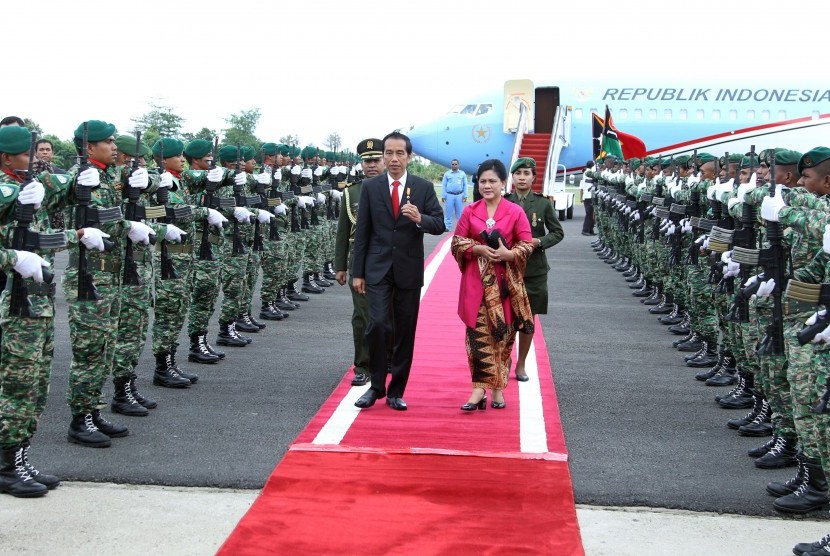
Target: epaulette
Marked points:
538	194
8	193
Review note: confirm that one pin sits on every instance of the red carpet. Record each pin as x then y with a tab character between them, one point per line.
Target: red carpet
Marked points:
430	480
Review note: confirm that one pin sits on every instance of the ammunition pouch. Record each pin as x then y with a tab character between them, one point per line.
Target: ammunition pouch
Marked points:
32	287
99	264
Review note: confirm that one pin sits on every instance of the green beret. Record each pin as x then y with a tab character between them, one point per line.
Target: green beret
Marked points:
227	153
704	158
783	157
126	145
284	150
748	161
524	162
96	131
248	153
648	161
308	152
170	146
15	139
665	162
813	158
734	157
198	148
268	148
635	163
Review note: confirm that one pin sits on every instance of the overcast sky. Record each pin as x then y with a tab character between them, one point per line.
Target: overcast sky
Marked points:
361	70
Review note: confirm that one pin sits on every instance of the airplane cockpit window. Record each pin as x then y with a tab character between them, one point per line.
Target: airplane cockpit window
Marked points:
782	115
652	114
716	114
578	113
750	115
468	110
483	109
667	114
638	113
623	113
684	114
765	115
733	115
700	114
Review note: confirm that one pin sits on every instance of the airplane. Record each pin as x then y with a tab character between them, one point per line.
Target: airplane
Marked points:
553	124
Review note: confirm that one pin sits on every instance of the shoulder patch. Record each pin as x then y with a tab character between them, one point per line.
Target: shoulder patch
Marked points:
61	178
7	191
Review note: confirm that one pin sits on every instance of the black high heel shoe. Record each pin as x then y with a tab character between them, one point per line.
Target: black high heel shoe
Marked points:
469	406
498	405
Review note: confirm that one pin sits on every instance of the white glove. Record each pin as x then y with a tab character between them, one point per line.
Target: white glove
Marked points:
710	191
815	316
726	257
670	230
766	287
279	209
732	269
215	218
89	178
334	170
30	265
687	226
725	188
321	198
216	175
32	194
264	216
826	240
627	210
242	215
318	171
772	205
353	172
174	233
296	170
139	233
306	173
693	179
752	280
705	243
701	239
263	178
308	200
300	201
733	201
629	180
636	216
344	170
94	238
336	195
166	179
641	186
241	178
822	337
745	188
139	179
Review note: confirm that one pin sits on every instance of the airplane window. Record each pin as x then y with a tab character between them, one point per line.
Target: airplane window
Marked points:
750	115
782	115
700	114
815	114
667	114
716	114
483	109
638	114
623	114
765	115
652	114
684	114
469	109
733	114
578	113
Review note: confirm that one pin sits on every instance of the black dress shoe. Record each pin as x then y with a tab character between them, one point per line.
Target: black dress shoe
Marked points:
396	403
360	379
522	378
368	399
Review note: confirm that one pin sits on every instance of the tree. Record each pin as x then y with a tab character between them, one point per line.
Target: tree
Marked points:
31	125
242	127
65	154
159	122
290	139
333	142
431	172
204	133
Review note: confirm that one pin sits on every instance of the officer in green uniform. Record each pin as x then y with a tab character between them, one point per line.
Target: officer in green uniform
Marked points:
370	152
28	340
547	232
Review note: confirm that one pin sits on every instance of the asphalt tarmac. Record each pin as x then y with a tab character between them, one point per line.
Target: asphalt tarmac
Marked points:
640	430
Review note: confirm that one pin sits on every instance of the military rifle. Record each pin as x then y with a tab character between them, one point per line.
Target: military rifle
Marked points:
168	270
85	217
213	201
239	201
274	199
745	237
261	204
29	240
135	213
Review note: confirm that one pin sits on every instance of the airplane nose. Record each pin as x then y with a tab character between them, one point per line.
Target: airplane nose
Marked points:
425	140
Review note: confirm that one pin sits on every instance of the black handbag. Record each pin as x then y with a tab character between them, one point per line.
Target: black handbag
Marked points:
492	238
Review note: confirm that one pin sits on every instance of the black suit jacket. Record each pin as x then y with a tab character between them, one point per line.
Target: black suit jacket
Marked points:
383	243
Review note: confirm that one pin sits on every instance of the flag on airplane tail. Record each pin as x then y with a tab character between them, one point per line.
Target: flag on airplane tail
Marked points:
610	140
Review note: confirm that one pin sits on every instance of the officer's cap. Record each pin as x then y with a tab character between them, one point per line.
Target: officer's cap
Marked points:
525	162
370	148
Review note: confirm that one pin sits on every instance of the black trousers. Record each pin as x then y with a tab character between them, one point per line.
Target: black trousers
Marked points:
393	313
588	223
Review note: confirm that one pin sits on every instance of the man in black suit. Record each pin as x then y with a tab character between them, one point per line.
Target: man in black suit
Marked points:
395	210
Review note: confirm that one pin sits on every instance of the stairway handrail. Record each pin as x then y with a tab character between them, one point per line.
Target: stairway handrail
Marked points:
517	145
560	129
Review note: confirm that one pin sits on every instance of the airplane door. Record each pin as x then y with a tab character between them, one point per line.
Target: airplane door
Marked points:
547	101
517	92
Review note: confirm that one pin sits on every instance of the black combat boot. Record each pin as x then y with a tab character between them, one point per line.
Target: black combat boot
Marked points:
763	448
270	312
707	357
741	397
639	283
149	403
110	429
633	273
244	324
645	291
665	307
656	296
293	294
818	548
692	336
229	337
811	495
613	259
761	425
759	405
189	376
199	352
123	400
780	455
166	375
283	303
309	286
210	348
83	431
15	478
255	322
328	271
778	490
726	376
49	481
725	361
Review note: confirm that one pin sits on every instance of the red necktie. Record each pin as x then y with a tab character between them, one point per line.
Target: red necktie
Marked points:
396	199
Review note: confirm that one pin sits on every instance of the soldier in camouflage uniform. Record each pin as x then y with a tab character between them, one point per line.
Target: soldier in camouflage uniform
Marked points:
27	344
93	322
273	255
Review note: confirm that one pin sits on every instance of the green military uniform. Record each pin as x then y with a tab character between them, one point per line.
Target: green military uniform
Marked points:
273	253
545	226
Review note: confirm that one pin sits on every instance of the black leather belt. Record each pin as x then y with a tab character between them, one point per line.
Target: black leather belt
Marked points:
96	263
33	288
